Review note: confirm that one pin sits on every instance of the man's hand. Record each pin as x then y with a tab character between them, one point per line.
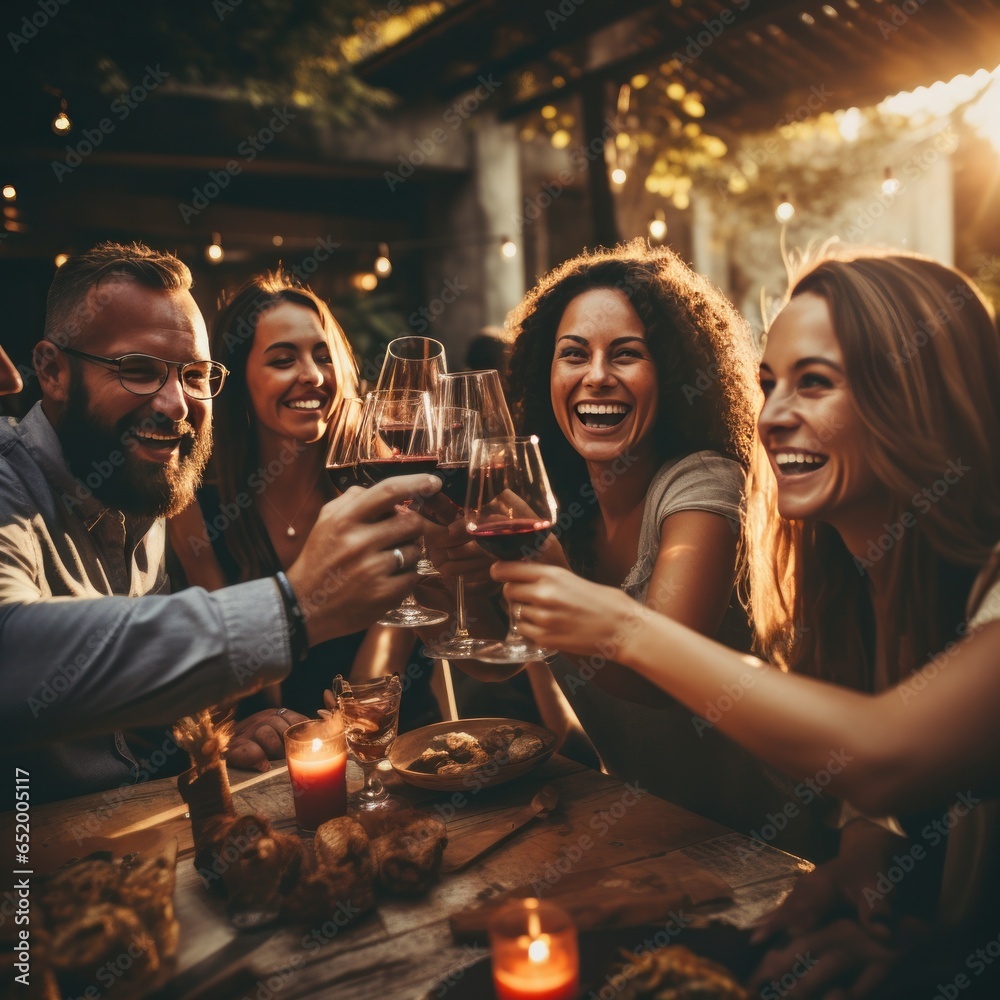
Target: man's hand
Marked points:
455	555
347	574
257	739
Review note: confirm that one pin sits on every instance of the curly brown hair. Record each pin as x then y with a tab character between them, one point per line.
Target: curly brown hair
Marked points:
703	350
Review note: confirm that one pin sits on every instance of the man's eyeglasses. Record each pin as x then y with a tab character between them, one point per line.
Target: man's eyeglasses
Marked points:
144	374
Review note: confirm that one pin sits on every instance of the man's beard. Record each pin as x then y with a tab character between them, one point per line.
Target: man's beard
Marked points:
104	460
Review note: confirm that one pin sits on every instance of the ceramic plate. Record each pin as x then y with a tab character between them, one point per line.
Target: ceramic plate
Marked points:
410	746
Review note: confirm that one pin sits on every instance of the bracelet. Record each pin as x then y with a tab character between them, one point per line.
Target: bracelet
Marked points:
297	637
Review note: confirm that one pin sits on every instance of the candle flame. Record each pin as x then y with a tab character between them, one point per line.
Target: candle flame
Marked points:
534	924
317	745
538	950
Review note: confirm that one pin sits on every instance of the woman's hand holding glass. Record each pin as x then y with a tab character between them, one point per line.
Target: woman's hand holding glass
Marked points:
563	611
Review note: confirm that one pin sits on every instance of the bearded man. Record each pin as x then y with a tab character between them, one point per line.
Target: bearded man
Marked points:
91	643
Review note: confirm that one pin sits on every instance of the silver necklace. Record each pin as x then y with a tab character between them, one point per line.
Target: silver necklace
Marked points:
291	530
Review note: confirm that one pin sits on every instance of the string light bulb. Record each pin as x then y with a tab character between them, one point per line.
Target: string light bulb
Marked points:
61	124
214	252
383	266
10	192
890	183
618	176
60	259
658	225
365	281
785	210
508	247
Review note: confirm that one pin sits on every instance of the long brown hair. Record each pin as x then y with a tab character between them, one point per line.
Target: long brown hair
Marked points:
236	456
702	348
922	359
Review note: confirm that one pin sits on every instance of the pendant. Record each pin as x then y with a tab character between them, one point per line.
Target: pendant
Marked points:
290	532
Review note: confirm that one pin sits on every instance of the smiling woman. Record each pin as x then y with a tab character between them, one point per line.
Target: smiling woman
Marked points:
638	376
292	369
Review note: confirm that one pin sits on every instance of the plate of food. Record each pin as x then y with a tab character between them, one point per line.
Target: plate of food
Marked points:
449	756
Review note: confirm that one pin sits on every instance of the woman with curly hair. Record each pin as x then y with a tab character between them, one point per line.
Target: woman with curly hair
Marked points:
638	377
874	516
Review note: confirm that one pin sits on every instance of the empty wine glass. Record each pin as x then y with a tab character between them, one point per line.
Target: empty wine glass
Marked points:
370	710
509	510
412	363
481	393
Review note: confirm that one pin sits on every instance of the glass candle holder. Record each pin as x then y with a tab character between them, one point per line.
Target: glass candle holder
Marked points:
316	751
535	954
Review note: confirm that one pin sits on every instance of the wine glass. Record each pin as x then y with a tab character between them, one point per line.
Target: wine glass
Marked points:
398	437
481	393
342	458
509	510
370	710
414	363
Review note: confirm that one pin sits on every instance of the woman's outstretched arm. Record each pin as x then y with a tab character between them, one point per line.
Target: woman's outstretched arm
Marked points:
932	737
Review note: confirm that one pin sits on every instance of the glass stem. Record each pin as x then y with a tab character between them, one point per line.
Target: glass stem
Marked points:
373	789
409	602
461	629
514	614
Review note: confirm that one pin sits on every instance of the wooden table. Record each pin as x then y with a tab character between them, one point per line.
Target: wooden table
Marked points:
406	947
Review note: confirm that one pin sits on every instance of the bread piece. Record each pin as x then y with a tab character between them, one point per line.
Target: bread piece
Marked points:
524	748
104	933
342	842
408	856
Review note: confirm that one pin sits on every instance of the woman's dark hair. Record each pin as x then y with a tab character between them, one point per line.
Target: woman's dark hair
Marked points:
702	348
235	459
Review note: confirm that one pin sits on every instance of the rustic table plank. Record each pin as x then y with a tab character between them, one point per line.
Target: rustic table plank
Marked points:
406	947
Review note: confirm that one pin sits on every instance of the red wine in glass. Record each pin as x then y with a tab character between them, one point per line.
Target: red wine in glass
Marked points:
519	538
377	470
344	476
454	481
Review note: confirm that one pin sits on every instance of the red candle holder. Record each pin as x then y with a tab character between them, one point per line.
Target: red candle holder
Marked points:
535	954
316	751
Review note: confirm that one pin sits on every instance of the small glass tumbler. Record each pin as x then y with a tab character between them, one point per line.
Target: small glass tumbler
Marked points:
316	751
535	954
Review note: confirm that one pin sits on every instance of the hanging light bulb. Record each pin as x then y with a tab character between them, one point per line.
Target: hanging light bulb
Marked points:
618	176
61	124
277	240
508	247
10	192
365	281
785	210
890	184
658	225
214	252
60	259
383	266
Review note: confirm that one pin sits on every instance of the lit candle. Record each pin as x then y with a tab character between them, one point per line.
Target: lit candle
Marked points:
316	751
534	952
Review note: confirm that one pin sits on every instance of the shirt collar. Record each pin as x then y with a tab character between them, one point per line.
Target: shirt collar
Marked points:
43	444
